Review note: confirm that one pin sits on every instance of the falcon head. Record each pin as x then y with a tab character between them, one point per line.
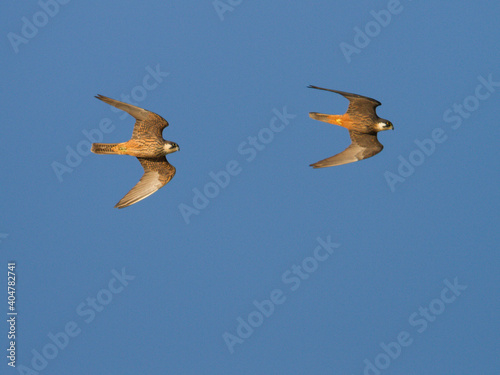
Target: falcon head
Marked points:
170	147
384	125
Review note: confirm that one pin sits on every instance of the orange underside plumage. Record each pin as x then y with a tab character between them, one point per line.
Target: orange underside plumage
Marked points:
341	120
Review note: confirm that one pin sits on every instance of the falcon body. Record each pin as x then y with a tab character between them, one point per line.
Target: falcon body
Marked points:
363	124
148	146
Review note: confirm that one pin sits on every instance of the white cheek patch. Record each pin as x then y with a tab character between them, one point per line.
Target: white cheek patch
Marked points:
381	126
170	148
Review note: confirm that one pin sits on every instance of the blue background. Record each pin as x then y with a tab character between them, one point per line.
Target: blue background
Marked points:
193	281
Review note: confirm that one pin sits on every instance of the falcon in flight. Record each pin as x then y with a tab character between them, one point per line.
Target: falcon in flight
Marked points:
148	146
363	124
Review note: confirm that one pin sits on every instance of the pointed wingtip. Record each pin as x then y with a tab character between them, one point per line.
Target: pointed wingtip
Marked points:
120	205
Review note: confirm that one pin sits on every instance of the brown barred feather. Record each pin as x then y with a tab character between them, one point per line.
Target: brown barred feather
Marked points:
148	145
363	124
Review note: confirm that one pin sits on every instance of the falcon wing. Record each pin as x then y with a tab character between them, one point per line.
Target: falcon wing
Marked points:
363	146
359	106
148	123
157	173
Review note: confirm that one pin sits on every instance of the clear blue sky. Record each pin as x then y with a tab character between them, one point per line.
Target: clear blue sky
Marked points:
399	251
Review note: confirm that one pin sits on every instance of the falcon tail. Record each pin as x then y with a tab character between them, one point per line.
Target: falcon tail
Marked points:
340	120
104	148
